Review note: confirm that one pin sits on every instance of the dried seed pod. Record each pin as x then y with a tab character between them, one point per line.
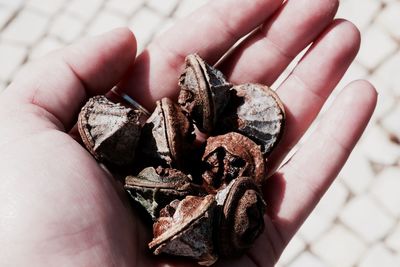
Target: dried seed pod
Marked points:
240	219
167	136
155	188
185	229
110	131
257	112
229	156
204	92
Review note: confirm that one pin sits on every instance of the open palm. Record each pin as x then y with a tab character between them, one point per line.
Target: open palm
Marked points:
59	207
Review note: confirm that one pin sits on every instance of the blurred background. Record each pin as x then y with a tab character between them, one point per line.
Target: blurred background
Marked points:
357	221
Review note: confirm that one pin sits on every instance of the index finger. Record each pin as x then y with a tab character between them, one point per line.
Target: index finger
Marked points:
210	31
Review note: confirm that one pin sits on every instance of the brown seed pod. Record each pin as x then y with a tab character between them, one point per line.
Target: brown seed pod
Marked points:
185	229
155	188
256	111
204	92
241	220
110	131
229	156
167	136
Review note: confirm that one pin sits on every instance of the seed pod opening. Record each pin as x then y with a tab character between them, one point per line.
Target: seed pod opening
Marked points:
229	156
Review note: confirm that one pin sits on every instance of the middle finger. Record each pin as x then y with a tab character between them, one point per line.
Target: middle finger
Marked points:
266	53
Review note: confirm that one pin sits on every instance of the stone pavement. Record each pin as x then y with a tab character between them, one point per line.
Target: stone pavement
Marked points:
357	221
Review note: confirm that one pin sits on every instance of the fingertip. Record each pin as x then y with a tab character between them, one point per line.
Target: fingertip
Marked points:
362	92
121	41
102	60
353	108
349	32
125	37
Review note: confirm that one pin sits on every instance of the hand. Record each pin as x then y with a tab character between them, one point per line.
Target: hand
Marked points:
59	207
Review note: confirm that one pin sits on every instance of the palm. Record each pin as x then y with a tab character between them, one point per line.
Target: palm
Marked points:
68	204
58	205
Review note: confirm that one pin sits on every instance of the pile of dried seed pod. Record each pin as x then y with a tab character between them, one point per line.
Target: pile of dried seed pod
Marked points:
205	200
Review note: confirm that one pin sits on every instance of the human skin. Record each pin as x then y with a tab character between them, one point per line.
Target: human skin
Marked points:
59	207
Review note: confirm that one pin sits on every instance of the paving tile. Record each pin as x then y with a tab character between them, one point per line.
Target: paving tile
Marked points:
126	7
391	122
393	240
389	18
162	6
314	226
363	216
27	28
360	15
376	46
188	6
379	255
48	7
378	148
309	260
12	57
333	200
356	71
386	97
396	90
46	45
66	28
2	86
105	21
84	10
388	73
386	189
144	26
339	247
6	14
293	249
12	3
357	173
165	25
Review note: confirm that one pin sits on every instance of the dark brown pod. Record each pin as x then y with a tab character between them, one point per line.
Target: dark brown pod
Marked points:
167	136
155	188
185	229
256	111
229	156
110	131
241	216
204	92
